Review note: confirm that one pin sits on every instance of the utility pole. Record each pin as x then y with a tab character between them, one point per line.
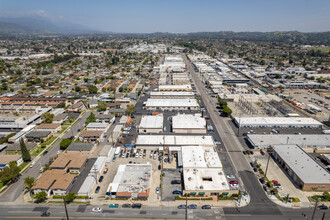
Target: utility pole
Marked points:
186	213
66	210
317	200
267	165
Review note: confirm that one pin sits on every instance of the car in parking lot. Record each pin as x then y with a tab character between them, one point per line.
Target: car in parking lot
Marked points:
97	209
126	205
274	181
105	170
233	182
114	205
206	207
192	206
177	192
136	205
182	207
97	190
252	164
230	176
176	182
101	179
151	154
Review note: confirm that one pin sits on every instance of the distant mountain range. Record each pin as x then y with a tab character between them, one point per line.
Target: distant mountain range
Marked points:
34	25
40	25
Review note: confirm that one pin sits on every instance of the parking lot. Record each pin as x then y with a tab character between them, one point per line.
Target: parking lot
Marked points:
167	187
113	167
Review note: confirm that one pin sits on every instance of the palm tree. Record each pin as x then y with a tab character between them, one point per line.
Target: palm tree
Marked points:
29	182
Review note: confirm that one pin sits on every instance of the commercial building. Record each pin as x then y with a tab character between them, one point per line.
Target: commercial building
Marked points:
188	124
151	124
131	181
202	171
172	95
90	136
175	88
316	141
53	128
276	122
54	182
98	126
70	161
171	104
302	168
173	140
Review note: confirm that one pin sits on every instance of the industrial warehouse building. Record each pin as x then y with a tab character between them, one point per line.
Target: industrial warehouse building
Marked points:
173	141
188	124
131	181
171	104
172	95
175	88
151	124
316	141
302	168
276	122
202	171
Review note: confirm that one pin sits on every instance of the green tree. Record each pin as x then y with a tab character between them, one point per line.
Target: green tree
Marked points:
326	196
102	106
77	89
227	111
90	118
47	117
25	153
41	196
129	110
29	182
65	143
92	89
121	89
69	197
9	173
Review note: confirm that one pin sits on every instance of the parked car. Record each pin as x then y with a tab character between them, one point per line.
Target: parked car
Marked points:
176	182
277	184
233	182
157	190
252	164
244	152
262	180
274	181
114	205
206	207
182	207
323	207
177	192
97	190
255	169
126	205
101	179
230	176
136	205
105	170
192	206
97	209
159	167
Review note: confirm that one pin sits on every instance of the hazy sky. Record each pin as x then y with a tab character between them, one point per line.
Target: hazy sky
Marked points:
180	16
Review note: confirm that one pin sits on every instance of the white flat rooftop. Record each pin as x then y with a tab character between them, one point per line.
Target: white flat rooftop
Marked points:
204	179
304	166
150	121
276	121
174	140
171	103
200	157
161	87
188	121
171	94
303	140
